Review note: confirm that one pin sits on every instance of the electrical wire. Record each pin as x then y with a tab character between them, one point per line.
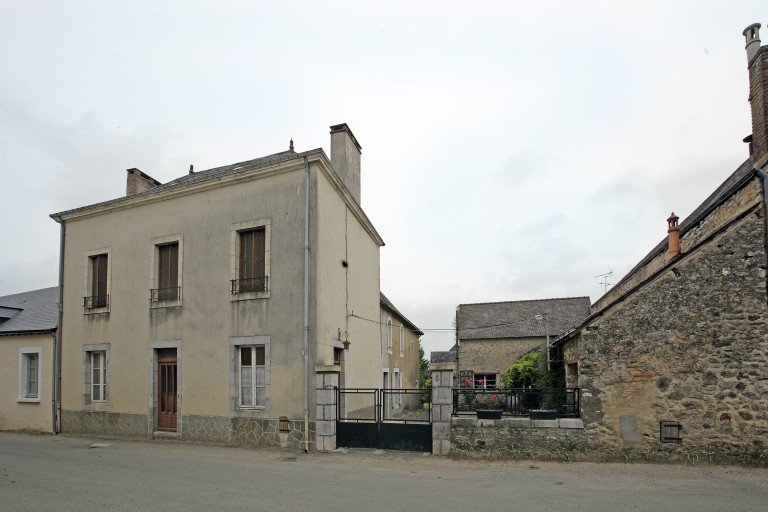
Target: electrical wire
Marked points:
439	329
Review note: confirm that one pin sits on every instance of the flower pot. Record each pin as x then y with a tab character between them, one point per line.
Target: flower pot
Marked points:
488	414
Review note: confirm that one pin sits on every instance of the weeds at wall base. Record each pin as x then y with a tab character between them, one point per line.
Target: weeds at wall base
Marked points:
572	452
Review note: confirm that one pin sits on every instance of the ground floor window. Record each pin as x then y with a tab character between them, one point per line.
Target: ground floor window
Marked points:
95	370
29	382
485	380
252	376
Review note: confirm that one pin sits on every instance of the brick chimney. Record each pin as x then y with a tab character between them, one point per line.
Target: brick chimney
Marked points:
674	236
139	182
757	63
345	158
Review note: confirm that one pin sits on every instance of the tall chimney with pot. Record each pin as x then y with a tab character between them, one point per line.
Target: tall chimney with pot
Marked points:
674	236
345	158
757	63
139	182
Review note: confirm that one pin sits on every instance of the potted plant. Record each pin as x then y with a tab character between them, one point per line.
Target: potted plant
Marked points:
489	407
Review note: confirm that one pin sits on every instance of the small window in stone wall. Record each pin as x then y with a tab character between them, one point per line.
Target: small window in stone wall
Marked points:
671	432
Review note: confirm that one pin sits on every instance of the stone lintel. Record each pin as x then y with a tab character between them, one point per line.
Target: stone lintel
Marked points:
328	368
442	367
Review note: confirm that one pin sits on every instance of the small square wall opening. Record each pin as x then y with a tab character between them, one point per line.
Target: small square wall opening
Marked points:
670	432
284	424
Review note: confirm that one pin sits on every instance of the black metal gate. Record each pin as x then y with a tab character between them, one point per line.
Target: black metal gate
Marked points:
389	419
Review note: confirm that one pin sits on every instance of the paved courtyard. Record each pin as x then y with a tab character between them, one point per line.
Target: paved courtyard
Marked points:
45	472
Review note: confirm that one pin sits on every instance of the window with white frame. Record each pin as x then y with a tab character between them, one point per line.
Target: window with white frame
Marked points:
29	374
98	374
402	341
95	370
252	376
485	380
389	335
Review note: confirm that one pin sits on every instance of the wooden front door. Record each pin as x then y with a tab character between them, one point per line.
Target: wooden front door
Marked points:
166	390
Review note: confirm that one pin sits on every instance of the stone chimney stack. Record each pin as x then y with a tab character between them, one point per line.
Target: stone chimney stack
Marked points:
139	182
757	63
345	158
674	236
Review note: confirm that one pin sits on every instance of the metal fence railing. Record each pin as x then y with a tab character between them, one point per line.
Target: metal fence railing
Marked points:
562	402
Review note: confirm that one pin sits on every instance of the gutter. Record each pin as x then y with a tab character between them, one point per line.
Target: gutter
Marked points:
306	305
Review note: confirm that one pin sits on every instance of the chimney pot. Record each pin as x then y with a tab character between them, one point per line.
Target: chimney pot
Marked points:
757	58
674	235
752	36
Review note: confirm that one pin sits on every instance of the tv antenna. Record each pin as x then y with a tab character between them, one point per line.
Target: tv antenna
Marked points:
604	280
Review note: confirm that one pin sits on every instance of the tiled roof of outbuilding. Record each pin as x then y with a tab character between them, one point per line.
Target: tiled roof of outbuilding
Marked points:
30	312
517	319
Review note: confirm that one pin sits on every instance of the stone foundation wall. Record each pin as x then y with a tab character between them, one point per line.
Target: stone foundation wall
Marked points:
246	432
105	423
510	435
690	346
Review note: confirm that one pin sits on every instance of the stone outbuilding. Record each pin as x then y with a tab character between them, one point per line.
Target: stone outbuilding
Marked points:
493	335
677	351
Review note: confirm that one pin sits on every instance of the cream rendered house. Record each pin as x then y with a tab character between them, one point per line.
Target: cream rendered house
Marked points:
27	334
400	342
203	308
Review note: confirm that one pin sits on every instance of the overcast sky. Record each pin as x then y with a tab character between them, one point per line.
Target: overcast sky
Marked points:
511	150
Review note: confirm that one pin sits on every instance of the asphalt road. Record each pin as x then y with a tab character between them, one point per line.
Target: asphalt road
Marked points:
62	473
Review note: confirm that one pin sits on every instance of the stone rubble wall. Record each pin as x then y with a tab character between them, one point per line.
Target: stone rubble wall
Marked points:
690	346
510	435
738	203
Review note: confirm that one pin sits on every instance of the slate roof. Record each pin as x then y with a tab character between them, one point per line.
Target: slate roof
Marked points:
30	312
200	177
386	302
517	319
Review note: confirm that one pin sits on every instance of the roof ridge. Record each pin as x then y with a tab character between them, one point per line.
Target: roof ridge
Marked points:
524	300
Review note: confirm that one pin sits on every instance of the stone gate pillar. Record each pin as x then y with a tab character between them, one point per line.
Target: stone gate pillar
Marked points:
327	380
442	406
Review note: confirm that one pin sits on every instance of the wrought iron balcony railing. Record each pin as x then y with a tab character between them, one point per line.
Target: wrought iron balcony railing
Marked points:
96	301
164	294
255	284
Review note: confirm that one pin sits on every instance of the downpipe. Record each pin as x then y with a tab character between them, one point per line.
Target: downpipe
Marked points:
306	305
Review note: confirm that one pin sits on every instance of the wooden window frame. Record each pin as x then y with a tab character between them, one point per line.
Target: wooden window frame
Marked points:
260	288
163	292
97	278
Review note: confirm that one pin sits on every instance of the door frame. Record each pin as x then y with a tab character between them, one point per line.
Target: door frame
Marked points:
154	349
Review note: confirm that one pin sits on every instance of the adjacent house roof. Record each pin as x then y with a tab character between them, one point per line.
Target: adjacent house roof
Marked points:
734	182
29	312
387	304
518	319
737	179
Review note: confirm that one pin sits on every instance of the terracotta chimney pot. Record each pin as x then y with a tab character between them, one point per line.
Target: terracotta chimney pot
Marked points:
674	236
